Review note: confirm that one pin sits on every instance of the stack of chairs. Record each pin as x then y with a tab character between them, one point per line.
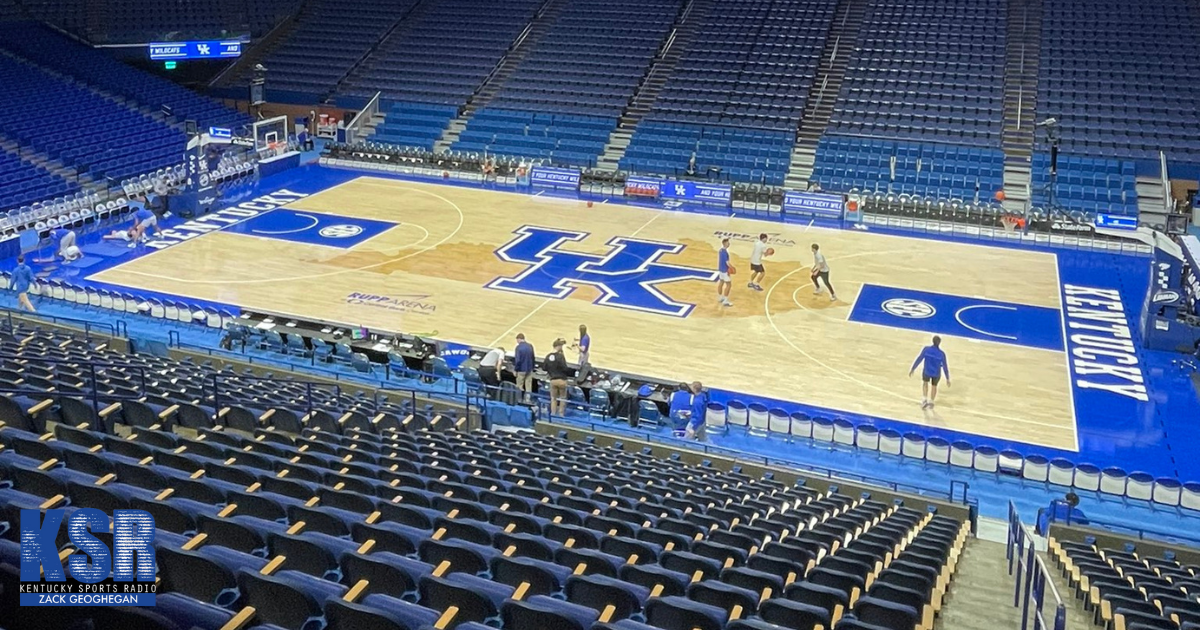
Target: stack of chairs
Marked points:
1129	98
430	61
927	70
360	529
48	48
1124	589
81	128
330	37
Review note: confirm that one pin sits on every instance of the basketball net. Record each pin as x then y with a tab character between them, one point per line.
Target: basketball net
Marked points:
1010	222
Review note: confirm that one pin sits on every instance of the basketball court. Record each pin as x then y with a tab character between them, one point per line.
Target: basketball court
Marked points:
480	266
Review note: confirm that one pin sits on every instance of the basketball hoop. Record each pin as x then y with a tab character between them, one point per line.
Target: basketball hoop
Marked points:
1011	222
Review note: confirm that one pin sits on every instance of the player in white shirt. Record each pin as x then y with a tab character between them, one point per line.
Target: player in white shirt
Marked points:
820	271
757	271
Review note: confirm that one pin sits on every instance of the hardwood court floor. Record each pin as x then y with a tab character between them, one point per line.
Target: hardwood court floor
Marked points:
783	343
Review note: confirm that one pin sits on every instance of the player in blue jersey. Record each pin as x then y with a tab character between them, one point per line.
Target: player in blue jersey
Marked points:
66	243
724	282
21	281
143	219
935	365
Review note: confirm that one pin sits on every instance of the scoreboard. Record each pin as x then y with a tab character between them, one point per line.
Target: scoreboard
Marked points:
175	51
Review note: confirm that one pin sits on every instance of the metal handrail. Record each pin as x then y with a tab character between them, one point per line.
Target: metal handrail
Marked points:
67	322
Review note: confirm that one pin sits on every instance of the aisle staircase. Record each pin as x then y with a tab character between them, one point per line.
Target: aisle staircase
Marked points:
1023	36
831	72
677	42
541	23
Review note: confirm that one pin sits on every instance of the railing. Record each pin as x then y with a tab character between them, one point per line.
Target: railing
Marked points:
364	115
1141	532
87	326
949	494
1033	582
88	387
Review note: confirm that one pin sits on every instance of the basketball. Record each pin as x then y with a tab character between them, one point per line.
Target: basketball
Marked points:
770	251
999	195
732	270
589	204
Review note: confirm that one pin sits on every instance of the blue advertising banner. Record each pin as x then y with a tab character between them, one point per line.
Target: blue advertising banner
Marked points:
168	51
556	178
643	187
719	194
1116	222
816	204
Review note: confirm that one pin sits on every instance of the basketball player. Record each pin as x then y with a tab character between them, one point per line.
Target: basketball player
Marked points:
724	283
935	364
117	235
66	244
756	266
143	220
22	280
820	271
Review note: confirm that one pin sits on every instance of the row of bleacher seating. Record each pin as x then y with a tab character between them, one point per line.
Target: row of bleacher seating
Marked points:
22	182
47	48
71	123
737	154
566	139
915	64
414	124
1079	82
1089	184
932	170
431	62
519	532
748	47
139	21
1124	589
329	39
592	58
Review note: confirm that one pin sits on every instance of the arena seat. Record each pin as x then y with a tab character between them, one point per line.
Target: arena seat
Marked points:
1129	99
50	49
430	63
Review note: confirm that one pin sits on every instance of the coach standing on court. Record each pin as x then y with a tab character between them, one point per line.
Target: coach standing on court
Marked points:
523	359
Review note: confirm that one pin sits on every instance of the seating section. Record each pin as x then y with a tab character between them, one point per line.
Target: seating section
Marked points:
50	49
331	37
414	124
139	21
9	10
81	128
565	139
592	59
22	182
927	70
1087	184
352	524
750	64
930	170
724	153
432	62
1132	96
1125	589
